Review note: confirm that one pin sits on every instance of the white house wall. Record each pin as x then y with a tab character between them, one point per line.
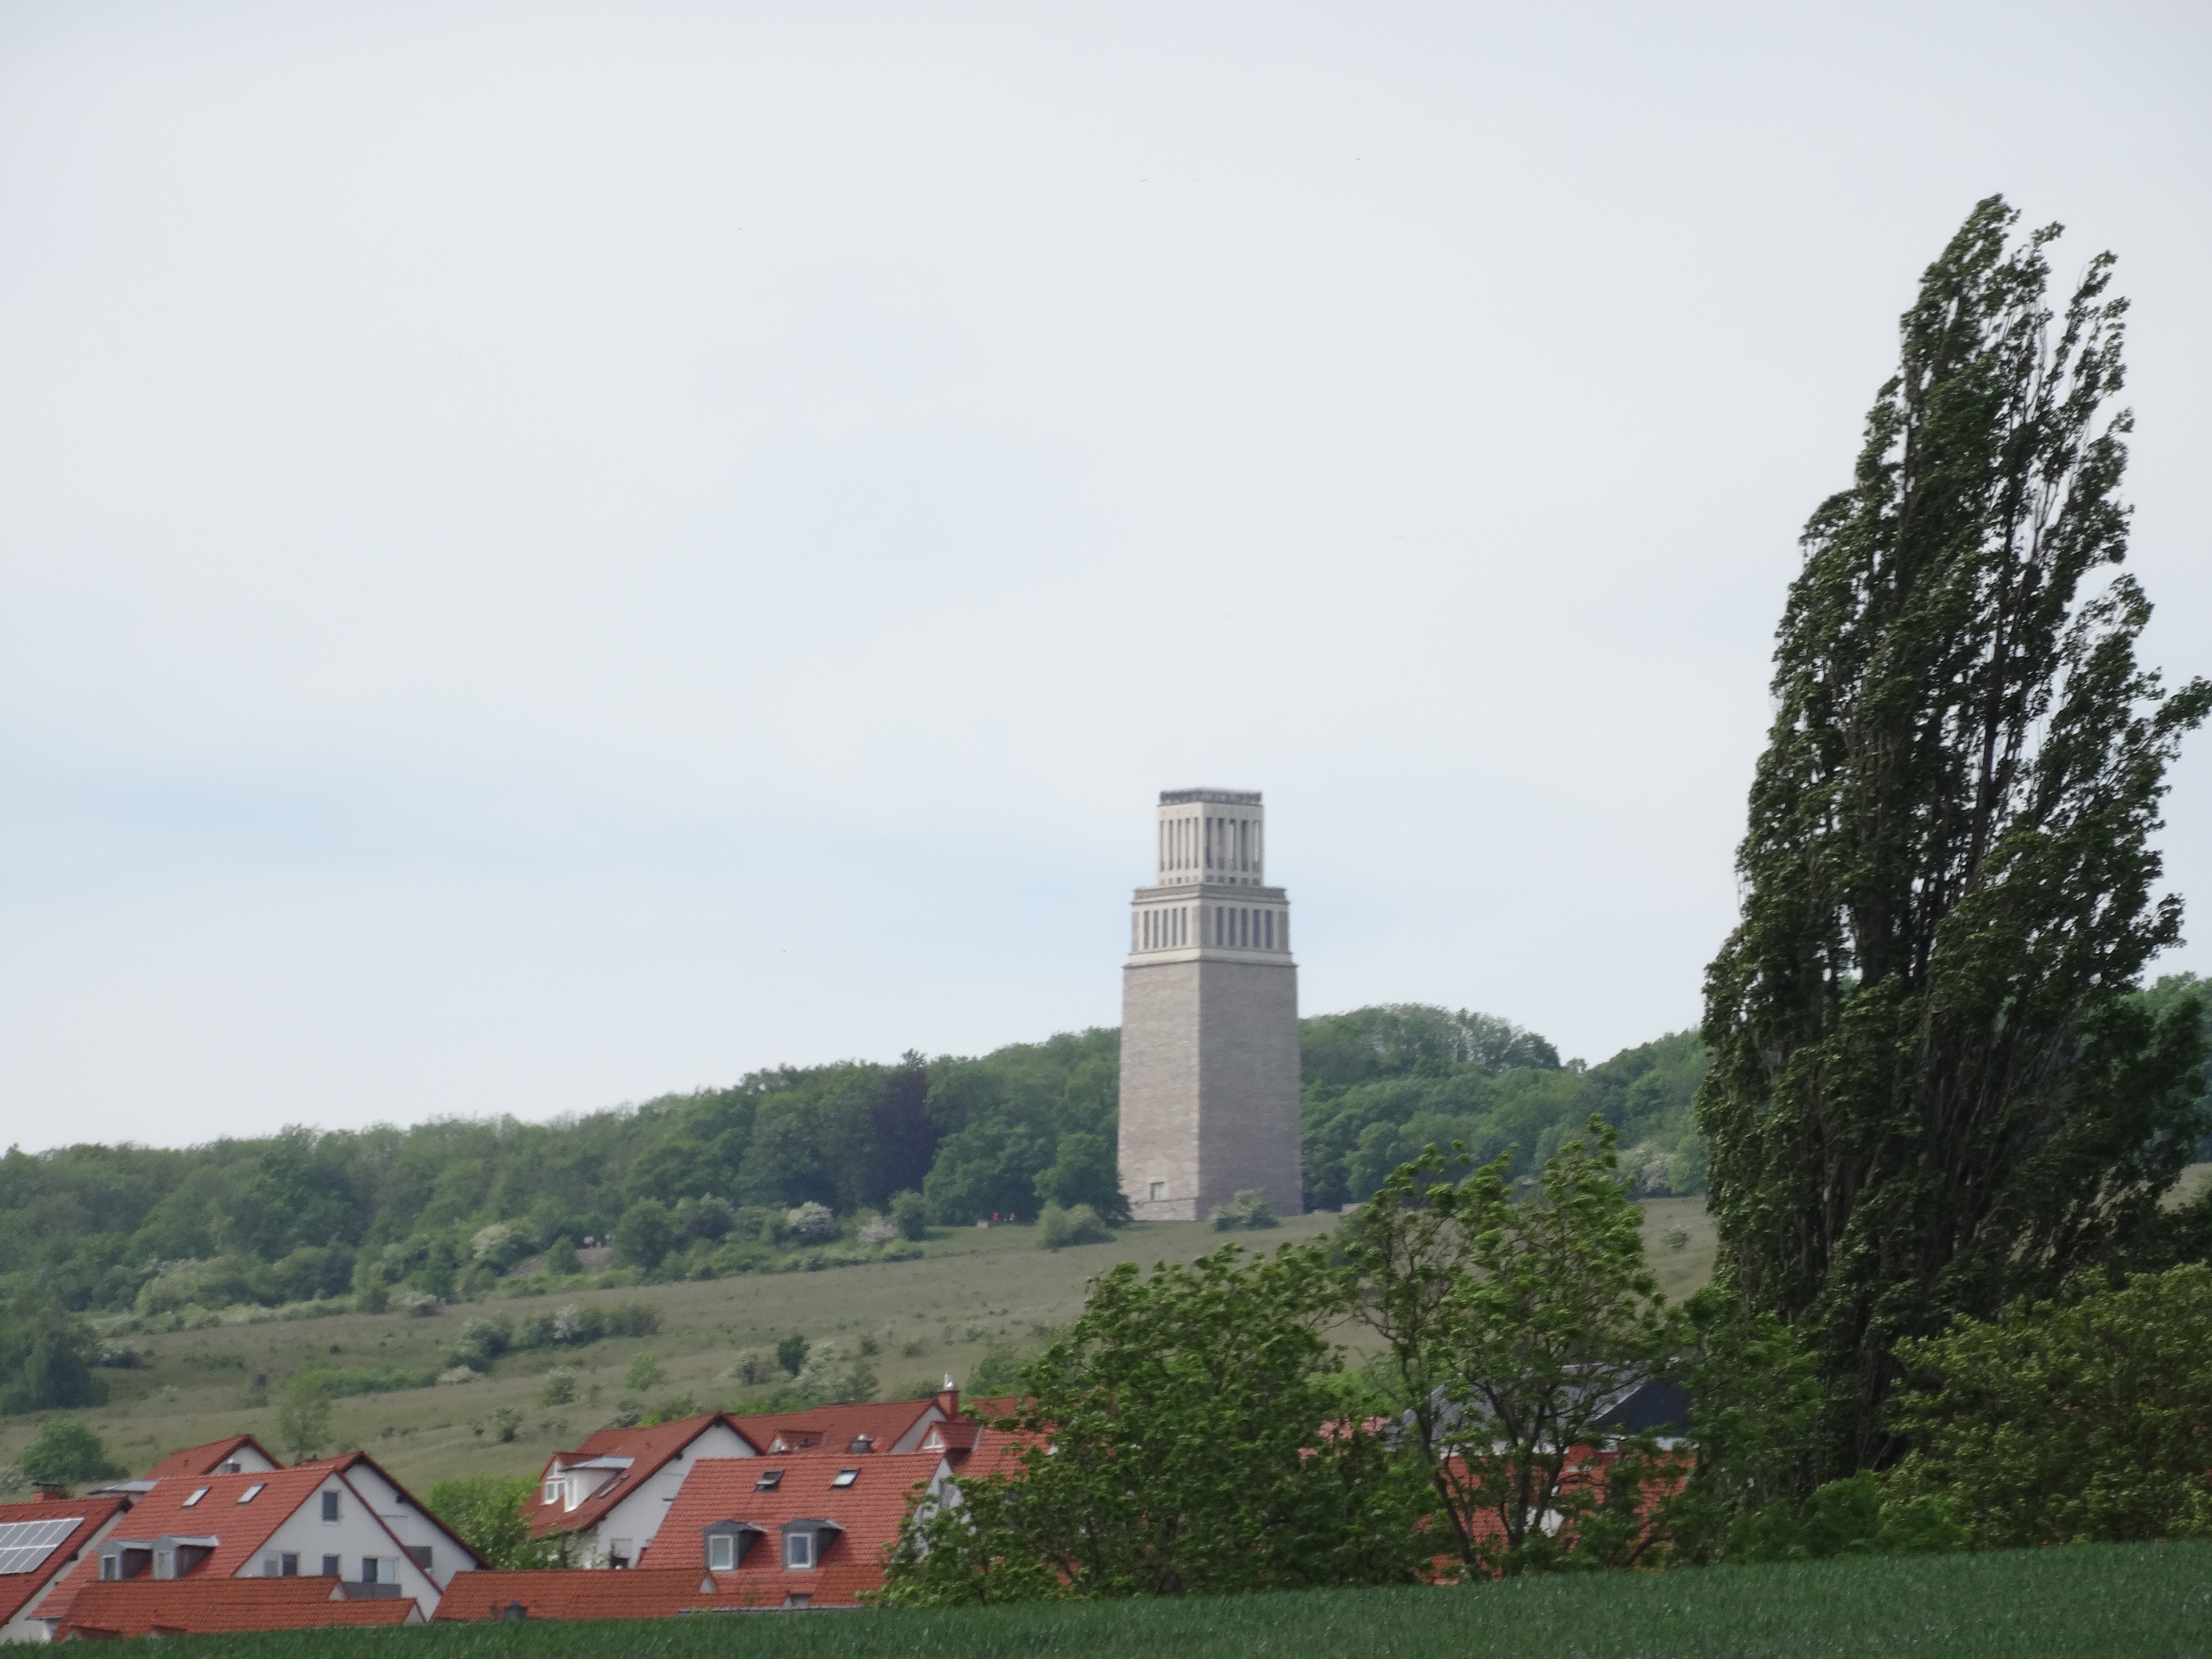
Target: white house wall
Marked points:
636	1517
408	1524
911	1440
356	1533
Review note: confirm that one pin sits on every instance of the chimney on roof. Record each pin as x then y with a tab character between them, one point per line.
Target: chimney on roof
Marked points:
948	1398
862	1443
51	1491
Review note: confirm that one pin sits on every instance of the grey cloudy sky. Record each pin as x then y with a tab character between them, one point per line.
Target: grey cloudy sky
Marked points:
553	552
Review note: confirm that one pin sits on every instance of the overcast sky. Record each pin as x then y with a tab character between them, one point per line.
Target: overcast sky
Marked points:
552	553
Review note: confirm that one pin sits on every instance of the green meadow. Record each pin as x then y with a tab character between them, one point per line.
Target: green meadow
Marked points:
2131	1601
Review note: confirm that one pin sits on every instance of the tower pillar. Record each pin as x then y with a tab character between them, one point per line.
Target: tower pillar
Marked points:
1209	1018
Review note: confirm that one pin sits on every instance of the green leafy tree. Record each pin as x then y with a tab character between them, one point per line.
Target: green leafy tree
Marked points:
1182	1440
2064	1421
1249	1208
488	1512
46	1356
909	1213
1930	1088
561	1257
645	1236
1755	1404
791	1354
66	1452
1511	1329
1086	1171
1057	1229
303	1418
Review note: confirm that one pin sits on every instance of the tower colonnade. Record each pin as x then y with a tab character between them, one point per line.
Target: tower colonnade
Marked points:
1196	845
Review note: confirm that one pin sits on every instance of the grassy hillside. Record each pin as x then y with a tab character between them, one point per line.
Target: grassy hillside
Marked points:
972	1290
2131	1601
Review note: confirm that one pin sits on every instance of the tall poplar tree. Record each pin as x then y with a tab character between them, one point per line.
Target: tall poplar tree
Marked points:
1931	1089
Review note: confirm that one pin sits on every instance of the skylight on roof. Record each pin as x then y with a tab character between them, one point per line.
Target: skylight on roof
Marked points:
769	1480
199	1493
25	1545
253	1491
845	1477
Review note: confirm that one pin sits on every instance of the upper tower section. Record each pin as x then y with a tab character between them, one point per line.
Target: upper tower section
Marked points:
1216	837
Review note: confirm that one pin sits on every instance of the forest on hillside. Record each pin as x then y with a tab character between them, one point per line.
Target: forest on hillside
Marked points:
691	1185
443	1207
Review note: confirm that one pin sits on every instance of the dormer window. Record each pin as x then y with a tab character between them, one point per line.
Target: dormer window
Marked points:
253	1491
555	1489
935	1443
199	1493
803	1543
845	1477
726	1543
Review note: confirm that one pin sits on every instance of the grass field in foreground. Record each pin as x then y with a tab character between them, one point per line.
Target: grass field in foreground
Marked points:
2138	1601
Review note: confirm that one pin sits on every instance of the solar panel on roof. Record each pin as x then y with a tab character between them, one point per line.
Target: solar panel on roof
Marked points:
25	1545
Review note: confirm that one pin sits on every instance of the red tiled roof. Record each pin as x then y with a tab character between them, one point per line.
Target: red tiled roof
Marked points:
240	1528
868	1513
201	1460
834	1428
578	1593
216	1607
649	1451
90	1514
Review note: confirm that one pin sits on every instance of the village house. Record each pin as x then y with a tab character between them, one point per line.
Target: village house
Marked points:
606	1499
39	1543
805	1518
813	1526
214	1513
239	1455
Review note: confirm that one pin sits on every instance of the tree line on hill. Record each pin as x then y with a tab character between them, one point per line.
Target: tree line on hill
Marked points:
704	1183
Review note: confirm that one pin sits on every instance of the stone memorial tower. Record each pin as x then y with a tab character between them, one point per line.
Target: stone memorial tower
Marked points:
1209	1018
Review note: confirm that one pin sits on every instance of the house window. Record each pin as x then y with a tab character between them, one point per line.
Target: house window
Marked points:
554	1489
799	1552
619	1553
269	1566
769	1480
287	1566
230	1468
1159	1191
111	1566
722	1553
253	1491
330	1566
845	1477
165	1563
420	1555
330	1506
199	1493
